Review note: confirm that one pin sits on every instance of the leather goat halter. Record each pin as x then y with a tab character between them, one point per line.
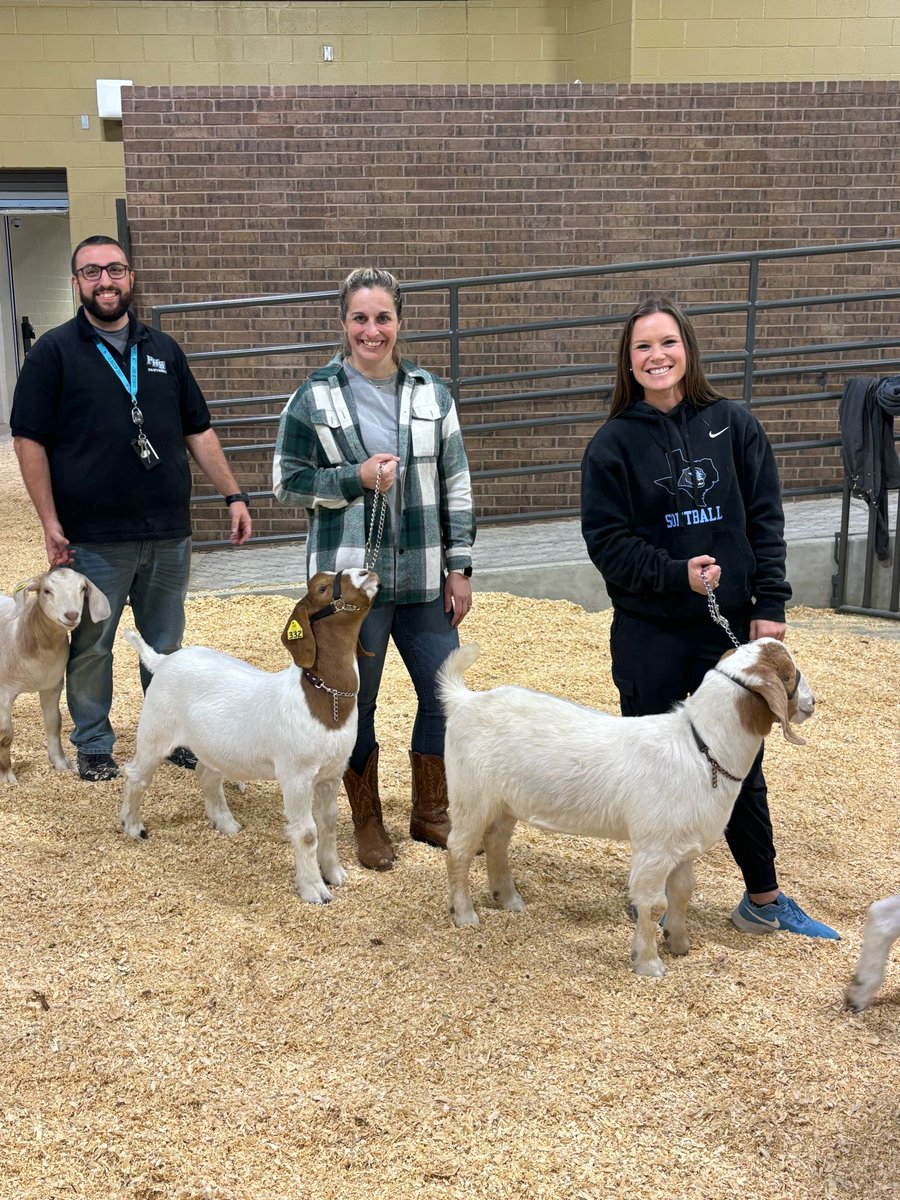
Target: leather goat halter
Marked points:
753	692
338	604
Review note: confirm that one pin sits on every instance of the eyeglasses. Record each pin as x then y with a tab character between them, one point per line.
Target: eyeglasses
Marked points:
92	272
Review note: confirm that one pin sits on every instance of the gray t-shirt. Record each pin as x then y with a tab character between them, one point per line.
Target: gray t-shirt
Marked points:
378	411
117	338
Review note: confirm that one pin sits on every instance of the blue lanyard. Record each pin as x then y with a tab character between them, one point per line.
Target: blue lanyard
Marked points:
132	388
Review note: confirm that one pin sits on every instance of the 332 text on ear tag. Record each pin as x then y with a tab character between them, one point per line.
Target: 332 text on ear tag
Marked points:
294	631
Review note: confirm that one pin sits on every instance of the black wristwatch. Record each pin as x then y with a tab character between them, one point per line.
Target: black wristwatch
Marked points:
242	496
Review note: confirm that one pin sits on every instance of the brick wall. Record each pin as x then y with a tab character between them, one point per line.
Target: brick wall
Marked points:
236	191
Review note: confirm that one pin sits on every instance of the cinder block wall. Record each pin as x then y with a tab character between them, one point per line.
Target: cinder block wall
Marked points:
246	191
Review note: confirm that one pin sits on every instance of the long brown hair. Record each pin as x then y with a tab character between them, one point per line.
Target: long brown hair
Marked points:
697	388
370	277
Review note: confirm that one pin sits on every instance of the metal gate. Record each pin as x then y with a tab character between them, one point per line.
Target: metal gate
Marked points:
862	583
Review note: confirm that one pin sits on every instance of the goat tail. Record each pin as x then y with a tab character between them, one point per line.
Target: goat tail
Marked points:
149	657
451	686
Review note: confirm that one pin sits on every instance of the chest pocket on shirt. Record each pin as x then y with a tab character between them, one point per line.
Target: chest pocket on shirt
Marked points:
425	429
331	437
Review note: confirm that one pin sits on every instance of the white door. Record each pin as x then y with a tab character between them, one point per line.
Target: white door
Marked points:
35	285
36	294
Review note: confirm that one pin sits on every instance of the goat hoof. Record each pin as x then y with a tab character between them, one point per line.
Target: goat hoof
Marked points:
677	946
855	1000
653	969
228	827
461	920
314	895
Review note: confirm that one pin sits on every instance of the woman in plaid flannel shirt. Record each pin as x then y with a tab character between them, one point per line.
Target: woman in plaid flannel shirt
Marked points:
369	417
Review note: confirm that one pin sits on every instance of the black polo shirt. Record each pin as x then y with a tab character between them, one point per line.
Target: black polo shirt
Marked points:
69	399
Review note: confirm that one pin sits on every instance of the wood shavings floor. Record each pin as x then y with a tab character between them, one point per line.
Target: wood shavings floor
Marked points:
175	1024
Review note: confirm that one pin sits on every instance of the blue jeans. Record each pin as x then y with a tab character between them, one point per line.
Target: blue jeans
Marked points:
150	575
424	637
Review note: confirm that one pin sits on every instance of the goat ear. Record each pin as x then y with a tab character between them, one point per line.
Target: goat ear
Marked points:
98	605
774	693
28	587
298	638
360	649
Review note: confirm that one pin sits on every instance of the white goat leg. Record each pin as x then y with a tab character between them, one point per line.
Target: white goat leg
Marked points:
53	726
496	852
462	846
646	886
217	811
6	737
138	778
881	930
325	808
679	889
301	831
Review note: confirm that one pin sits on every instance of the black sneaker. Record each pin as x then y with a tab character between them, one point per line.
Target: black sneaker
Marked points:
182	757
94	768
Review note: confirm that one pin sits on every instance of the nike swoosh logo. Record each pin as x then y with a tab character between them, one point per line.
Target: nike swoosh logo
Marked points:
715	435
772	922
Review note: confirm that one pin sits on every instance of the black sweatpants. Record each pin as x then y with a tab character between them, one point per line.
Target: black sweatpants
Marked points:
654	665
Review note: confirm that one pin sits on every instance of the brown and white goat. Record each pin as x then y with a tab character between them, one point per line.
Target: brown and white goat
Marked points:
881	931
297	726
35	625
666	783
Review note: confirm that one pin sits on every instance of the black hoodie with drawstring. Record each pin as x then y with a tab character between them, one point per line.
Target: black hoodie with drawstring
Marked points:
658	489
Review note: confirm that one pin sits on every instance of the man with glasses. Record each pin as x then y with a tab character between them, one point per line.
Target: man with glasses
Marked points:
104	414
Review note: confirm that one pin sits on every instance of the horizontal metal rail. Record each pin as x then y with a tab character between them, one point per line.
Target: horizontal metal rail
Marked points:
756	366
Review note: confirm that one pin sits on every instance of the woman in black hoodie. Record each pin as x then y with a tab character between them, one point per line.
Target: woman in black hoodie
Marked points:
679	481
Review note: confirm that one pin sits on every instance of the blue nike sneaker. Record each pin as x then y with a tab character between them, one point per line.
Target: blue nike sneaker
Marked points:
783	913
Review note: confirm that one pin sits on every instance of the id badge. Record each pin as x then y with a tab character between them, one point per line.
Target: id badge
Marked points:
145	452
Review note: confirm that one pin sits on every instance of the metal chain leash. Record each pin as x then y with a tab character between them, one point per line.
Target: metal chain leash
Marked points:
372	551
333	692
714	609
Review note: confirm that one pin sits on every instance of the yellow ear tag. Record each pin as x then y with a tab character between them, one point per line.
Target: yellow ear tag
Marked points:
294	631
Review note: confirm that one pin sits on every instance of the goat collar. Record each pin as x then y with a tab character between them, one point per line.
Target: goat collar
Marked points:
747	688
717	768
337	604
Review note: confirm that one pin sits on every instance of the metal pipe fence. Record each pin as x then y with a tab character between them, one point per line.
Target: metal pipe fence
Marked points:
767	371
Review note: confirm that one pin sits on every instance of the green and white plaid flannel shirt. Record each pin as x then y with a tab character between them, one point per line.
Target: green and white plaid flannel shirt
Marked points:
317	459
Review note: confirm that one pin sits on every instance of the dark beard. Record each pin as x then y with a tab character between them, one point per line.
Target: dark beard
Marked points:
106	316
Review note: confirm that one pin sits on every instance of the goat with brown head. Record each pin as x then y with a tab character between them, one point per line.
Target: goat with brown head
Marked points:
244	723
769	673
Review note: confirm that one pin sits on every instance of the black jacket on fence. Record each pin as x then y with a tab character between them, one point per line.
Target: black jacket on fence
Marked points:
866	416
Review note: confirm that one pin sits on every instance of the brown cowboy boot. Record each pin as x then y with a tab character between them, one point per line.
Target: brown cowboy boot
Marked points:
373	845
429	822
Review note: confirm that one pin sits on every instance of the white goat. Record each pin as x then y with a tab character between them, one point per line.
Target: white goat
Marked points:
666	783
34	648
881	931
297	726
